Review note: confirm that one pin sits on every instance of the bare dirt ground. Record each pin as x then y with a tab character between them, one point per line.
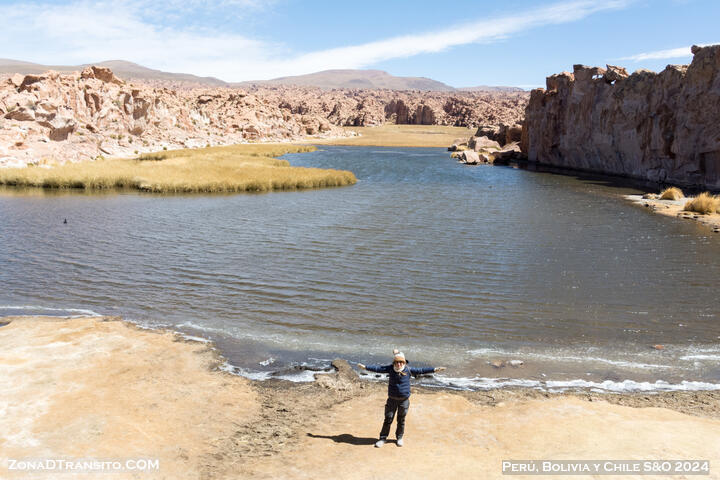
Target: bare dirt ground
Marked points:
102	388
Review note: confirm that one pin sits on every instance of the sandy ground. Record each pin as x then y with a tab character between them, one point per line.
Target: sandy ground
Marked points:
390	135
105	389
101	388
674	208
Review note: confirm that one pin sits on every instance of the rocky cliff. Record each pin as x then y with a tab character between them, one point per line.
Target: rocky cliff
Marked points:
54	117
662	127
369	107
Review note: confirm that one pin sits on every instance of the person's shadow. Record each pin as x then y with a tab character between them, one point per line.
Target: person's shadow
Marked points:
346	438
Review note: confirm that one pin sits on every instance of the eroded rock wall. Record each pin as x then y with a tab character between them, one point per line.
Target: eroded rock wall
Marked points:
662	127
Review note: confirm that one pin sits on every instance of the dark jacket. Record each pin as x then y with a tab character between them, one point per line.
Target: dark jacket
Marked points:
399	384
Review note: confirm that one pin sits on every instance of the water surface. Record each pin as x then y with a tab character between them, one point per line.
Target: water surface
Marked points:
456	265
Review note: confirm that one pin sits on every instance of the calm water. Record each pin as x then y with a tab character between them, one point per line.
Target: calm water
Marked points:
455	265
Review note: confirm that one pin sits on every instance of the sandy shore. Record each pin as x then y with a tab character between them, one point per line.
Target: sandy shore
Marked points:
675	208
102	388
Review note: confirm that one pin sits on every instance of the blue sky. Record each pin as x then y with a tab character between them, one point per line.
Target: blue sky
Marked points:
461	43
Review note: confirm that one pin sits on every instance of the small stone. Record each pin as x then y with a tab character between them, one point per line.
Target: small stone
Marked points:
497	363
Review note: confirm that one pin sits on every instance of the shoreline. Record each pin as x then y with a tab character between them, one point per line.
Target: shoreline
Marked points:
675	208
499	371
104	387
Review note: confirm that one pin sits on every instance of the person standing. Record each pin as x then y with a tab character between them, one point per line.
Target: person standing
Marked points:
398	393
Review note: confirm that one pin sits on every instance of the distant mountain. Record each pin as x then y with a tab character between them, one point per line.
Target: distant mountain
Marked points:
328	79
121	68
488	88
368	79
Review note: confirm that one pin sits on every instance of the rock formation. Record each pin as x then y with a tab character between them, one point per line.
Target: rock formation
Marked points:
54	117
366	108
662	127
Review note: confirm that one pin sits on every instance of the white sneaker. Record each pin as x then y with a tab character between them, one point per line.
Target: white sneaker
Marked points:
380	443
400	441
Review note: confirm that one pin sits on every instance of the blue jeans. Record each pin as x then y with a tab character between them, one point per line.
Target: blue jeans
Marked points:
391	406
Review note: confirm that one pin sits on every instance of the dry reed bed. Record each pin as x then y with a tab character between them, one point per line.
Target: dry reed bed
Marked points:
672	193
237	168
703	203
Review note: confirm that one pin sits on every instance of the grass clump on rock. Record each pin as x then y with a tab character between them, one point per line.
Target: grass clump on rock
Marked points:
237	168
672	193
703	203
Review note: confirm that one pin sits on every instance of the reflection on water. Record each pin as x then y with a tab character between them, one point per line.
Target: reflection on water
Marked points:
455	264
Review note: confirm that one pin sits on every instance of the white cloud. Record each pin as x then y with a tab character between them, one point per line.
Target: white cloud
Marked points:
86	31
681	52
482	31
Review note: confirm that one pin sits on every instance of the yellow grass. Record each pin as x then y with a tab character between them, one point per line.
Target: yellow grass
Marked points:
672	193
390	135
703	203
237	168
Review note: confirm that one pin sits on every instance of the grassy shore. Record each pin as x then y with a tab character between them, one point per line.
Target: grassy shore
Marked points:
236	168
389	135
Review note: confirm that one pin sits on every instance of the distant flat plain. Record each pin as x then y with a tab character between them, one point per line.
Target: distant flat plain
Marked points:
390	135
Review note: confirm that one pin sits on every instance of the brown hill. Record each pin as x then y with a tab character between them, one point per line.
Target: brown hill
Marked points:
124	69
490	88
357	79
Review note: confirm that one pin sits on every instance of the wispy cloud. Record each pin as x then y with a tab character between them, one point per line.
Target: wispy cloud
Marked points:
481	31
85	30
681	52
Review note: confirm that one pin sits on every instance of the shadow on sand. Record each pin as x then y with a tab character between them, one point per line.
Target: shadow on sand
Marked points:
346	438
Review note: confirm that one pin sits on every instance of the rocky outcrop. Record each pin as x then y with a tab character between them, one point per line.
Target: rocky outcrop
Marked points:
53	117
482	150
365	108
662	127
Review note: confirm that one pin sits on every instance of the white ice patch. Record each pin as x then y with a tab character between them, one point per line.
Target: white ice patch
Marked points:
74	312
633	386
299	376
701	357
607	386
194	338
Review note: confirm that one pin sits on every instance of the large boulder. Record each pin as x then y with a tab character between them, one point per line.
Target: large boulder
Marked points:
482	143
458	144
342	379
510	152
103	74
21	114
61	126
469	157
490	131
30	80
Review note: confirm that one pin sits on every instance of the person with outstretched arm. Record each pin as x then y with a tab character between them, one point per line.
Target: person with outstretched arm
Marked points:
398	393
